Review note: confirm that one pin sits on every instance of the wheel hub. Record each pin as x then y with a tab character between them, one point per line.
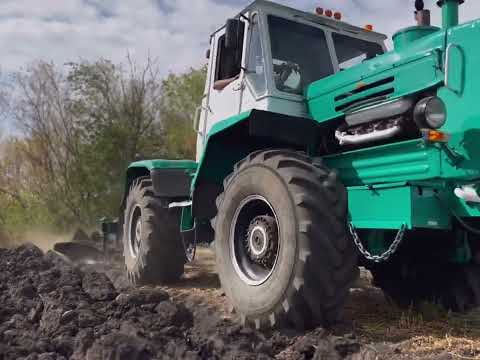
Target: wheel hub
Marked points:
254	240
135	233
262	240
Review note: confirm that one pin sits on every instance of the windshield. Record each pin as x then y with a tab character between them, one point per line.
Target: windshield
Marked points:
300	54
353	51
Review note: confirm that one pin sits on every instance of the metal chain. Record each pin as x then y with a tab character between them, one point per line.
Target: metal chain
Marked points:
387	254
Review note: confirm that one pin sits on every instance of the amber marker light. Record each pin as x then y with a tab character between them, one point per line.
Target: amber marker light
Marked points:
337	15
329	13
435	136
369	27
319	11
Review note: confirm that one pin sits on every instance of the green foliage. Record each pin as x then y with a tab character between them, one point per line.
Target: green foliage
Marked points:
17	217
181	96
79	131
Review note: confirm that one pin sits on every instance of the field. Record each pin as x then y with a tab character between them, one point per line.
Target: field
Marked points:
193	319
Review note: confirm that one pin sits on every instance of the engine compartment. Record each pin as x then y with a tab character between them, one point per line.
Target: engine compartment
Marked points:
382	122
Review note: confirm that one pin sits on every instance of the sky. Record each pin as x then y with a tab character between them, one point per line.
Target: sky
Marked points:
174	32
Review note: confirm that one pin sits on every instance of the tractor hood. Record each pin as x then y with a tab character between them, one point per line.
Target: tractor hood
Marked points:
405	70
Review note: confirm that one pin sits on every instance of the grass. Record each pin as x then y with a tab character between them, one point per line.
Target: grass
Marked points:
425	330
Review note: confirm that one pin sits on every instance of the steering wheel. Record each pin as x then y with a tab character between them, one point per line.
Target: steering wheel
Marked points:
283	72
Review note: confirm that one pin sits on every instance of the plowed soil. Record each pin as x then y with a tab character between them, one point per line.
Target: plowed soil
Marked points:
53	309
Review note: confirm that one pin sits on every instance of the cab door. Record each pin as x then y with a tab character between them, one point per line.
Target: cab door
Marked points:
225	63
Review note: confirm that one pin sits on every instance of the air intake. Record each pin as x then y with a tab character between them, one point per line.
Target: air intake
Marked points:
365	95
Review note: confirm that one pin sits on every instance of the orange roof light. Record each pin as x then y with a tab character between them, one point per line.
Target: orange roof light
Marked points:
369	27
337	15
319	11
329	13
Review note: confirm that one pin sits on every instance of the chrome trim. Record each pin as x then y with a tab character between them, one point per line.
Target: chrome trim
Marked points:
345	139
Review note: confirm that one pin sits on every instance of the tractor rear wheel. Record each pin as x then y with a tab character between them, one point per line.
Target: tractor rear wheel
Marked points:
282	245
152	246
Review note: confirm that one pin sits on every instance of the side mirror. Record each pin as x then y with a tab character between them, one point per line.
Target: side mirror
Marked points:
234	33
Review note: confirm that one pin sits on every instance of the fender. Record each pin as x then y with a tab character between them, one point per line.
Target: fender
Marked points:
233	139
170	178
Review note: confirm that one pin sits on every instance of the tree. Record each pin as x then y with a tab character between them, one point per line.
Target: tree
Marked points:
119	111
181	96
80	127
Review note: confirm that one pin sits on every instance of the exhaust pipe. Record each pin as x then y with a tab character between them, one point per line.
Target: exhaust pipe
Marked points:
376	135
449	12
422	15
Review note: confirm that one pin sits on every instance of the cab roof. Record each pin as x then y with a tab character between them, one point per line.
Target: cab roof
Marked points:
321	20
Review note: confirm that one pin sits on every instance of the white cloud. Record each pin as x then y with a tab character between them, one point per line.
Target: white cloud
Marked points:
174	31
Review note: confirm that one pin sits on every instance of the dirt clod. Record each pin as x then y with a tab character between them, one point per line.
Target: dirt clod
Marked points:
98	287
53	309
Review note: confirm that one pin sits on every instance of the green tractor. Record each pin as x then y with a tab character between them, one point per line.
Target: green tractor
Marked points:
318	151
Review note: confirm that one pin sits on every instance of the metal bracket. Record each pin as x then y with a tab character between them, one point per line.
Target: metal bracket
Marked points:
180	204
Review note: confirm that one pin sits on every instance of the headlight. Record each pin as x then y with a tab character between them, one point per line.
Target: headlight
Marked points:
430	113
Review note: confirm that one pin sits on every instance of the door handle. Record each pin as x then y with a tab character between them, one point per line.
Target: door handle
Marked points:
196	117
239	86
447	70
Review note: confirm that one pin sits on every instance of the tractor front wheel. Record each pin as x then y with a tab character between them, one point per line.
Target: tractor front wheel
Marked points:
282	245
152	246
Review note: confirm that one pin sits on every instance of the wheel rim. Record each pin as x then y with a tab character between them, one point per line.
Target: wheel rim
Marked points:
135	232
254	240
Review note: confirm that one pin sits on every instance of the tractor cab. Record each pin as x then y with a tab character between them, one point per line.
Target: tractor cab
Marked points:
266	57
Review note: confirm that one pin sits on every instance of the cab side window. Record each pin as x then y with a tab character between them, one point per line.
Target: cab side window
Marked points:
229	61
353	51
256	59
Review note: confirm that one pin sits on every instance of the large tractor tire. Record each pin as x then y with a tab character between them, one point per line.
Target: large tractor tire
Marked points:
152	246
282	245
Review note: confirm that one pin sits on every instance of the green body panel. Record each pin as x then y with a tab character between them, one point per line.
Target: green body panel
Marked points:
390	206
409	160
188	165
405	37
227	123
463	209
217	161
462	102
187	221
414	68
